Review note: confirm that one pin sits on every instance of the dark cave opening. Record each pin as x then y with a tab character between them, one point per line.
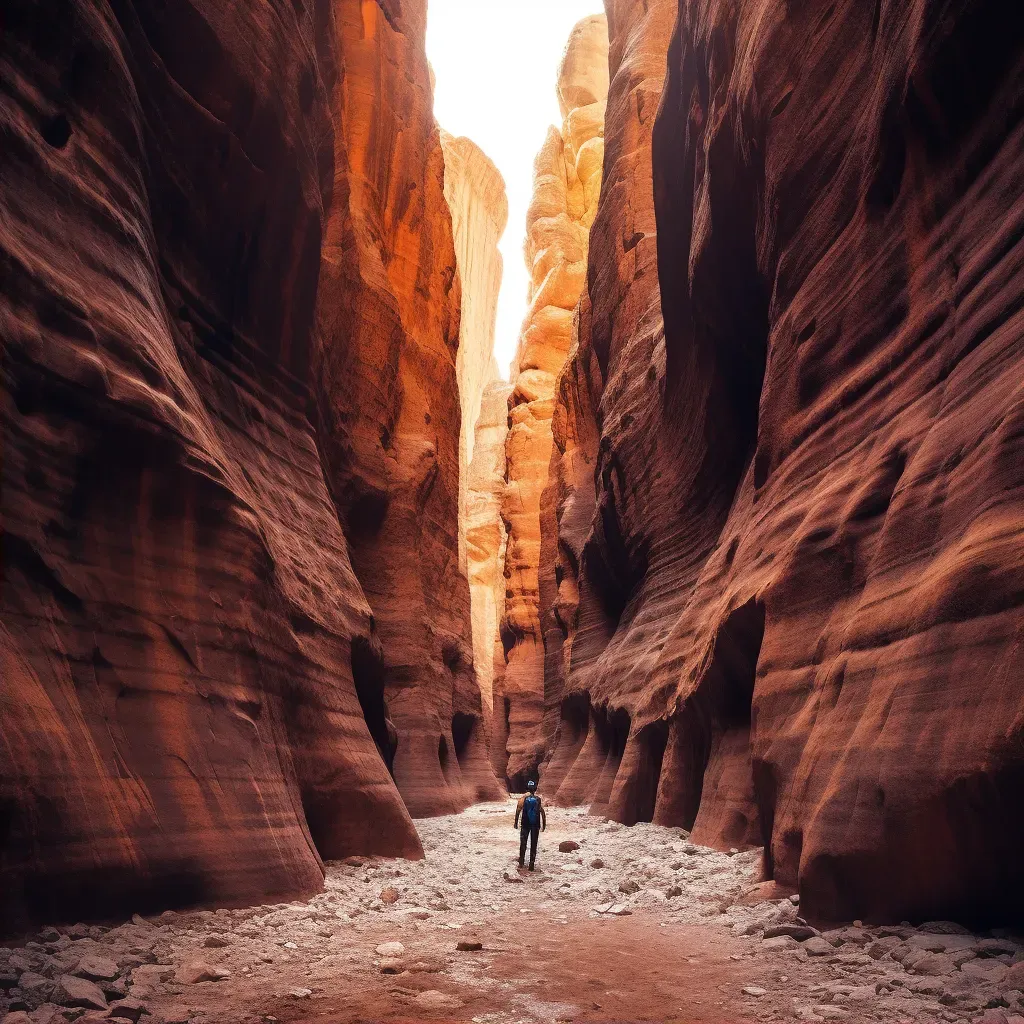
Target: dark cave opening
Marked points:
368	676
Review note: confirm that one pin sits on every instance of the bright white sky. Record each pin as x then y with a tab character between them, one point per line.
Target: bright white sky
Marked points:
496	66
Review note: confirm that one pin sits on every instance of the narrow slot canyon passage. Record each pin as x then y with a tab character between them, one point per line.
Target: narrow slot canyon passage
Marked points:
412	409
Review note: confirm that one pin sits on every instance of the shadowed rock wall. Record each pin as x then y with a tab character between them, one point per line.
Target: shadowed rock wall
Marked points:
567	179
799	595
192	682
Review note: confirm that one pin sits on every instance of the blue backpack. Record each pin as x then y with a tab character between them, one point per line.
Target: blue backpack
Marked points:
531	811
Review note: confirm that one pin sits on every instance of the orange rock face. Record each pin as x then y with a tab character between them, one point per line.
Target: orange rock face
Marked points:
388	310
798	594
567	175
193	679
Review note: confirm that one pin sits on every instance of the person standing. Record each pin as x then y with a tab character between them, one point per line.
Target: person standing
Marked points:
531	810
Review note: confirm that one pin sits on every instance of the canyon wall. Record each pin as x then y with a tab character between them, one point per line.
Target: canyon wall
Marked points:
567	179
193	680
798	613
390	418
475	192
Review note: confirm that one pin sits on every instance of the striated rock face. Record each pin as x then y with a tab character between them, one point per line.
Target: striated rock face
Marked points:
798	611
190	683
475	192
388	310
613	378
485	546
567	176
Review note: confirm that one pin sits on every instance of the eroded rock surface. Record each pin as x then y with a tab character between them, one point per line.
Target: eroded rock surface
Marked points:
798	594
567	181
388	310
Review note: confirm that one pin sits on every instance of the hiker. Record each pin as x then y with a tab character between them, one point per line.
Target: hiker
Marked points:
531	810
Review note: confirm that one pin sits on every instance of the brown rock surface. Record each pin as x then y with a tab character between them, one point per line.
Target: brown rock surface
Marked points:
799	599
192	679
567	174
388	310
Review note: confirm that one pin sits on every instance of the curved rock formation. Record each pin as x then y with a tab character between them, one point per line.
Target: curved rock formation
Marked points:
799	599
567	177
475	192
388	309
485	546
189	701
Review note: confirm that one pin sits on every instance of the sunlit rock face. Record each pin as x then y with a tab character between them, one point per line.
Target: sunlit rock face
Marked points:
389	310
187	661
798	599
485	549
567	174
475	192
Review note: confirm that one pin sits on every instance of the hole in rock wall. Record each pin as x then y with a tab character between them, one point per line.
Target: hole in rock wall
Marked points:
650	753
57	131
368	676
462	731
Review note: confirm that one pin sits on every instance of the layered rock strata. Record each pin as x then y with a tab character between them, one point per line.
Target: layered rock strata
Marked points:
475	192
567	179
799	609
192	682
390	420
485	546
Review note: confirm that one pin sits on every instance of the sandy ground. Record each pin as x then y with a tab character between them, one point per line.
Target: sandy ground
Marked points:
635	924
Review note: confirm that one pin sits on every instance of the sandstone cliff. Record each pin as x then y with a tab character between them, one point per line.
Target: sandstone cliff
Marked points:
798	610
475	192
388	310
186	711
567	176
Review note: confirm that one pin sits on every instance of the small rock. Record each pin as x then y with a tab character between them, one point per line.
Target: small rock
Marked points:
392	965
196	973
619	910
389	895
49	935
673	891
469	947
300	993
96	968
780	942
515	879
817	946
128	1009
17	1017
629	886
216	942
800	932
993	1017
567	846
354	862
935	964
391	949
753	990
944	928
72	991
597	863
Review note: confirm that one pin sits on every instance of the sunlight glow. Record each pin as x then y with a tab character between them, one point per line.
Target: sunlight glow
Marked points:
496	66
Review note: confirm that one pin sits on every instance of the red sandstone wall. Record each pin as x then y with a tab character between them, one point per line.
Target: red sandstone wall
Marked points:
388	310
799	611
192	680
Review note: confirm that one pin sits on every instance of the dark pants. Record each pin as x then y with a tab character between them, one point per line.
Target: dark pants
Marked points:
528	832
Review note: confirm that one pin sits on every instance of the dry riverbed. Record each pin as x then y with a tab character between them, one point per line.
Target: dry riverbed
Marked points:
622	924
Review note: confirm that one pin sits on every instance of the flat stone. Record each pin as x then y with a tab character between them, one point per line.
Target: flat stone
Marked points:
128	1009
800	932
438	1000
196	973
619	910
817	946
754	990
72	991
780	942
390	949
300	993
216	942
994	972
945	928
469	947
935	964
96	968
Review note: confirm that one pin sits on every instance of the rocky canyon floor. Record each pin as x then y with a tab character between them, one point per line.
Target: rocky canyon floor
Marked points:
621	924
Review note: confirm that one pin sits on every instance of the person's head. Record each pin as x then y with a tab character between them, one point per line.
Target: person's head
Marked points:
531	786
